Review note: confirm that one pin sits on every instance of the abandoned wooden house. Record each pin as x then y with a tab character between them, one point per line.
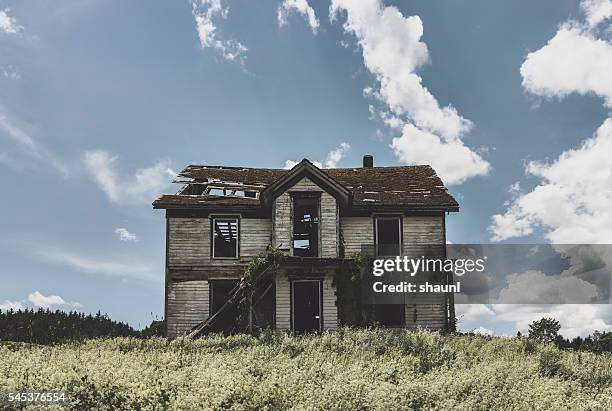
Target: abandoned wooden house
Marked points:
222	217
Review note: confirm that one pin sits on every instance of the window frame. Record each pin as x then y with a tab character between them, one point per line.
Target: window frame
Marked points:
398	217
215	217
316	195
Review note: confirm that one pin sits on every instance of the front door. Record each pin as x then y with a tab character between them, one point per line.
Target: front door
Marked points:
306	305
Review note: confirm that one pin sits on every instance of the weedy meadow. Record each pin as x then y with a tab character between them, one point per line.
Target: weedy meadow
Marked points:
349	369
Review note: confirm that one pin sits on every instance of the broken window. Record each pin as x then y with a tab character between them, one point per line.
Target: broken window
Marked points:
306	226
225	238
232	192
388	236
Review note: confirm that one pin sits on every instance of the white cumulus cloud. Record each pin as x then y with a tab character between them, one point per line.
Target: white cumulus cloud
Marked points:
40	300
573	61
596	11
572	202
451	159
142	187
482	331
205	13
125	235
300	7
535	287
392	51
9	24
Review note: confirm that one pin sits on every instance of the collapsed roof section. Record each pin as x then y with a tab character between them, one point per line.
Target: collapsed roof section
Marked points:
217	187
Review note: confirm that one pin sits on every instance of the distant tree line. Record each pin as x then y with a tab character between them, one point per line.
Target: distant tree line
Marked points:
43	326
547	330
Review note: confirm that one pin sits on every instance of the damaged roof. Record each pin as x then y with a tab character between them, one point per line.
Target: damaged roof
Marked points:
413	187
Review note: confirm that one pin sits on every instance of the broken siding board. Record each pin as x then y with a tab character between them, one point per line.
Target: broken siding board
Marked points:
283	303
330	310
187	306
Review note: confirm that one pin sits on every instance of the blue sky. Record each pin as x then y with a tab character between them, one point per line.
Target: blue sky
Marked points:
101	101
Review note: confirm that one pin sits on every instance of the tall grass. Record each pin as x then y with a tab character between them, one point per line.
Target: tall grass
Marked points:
349	369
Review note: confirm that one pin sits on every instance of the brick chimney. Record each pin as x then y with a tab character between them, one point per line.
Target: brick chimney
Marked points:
368	161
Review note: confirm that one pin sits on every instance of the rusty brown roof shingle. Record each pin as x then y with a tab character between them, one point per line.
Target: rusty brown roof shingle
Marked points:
415	187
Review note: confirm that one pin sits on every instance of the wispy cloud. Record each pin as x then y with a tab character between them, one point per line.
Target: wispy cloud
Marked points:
28	153
125	235
7	305
9	24
205	13
9	72
331	160
287	7
141	188
107	265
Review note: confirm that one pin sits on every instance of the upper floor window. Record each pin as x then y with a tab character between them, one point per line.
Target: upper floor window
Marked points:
225	238
306	226
388	236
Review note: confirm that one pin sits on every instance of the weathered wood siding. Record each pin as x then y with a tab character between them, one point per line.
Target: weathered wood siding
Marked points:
189	260
330	310
424	236
255	236
356	231
328	225
283	303
430	316
189	241
421	234
187	305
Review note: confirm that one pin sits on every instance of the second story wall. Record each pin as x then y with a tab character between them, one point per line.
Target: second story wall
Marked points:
282	213
420	234
189	241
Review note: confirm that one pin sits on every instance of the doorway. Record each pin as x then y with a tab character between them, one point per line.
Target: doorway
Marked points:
306	305
220	291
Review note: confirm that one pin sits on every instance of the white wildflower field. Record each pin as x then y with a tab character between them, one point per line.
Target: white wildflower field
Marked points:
350	369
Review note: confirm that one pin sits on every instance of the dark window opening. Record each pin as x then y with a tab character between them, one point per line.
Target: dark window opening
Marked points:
220	291
388	236
225	237
306	227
